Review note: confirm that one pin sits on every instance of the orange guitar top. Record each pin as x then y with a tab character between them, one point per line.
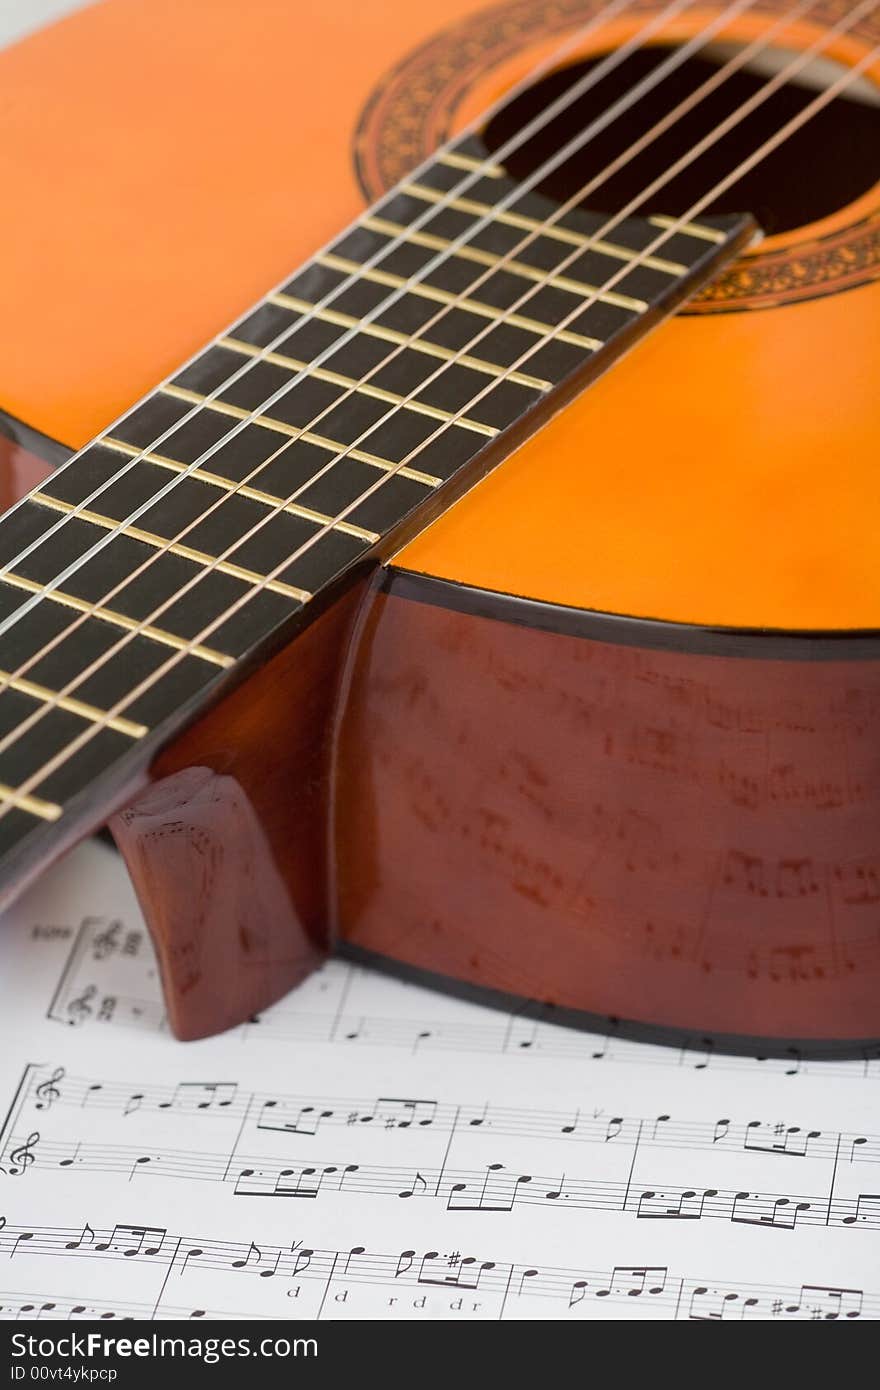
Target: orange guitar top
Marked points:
164	164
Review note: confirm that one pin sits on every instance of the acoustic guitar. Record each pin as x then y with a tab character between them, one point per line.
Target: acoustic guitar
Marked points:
436	610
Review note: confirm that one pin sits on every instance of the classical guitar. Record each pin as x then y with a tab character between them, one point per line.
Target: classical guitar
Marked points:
406	618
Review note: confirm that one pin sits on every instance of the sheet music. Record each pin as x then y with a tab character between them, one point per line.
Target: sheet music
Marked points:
367	1149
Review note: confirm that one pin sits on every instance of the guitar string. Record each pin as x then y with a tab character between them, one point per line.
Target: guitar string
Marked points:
466	182
688	103
94	608
844	80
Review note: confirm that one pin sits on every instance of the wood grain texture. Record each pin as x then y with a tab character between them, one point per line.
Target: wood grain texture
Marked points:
228	847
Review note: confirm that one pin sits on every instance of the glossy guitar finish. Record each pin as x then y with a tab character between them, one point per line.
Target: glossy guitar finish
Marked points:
606	734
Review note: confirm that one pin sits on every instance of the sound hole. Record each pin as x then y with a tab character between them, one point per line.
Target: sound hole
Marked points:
832	160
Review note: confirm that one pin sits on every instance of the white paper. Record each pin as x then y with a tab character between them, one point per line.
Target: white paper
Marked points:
367	1149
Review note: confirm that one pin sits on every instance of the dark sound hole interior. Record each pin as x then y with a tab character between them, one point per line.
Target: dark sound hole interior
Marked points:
830	161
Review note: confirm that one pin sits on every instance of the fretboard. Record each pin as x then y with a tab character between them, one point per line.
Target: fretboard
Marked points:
330	383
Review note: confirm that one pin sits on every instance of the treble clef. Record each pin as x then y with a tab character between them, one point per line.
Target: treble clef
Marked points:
48	1091
81	1009
23	1156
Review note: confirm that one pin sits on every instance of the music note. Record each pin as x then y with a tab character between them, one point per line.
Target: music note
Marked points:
526	1274
353	1253
867	1210
635	1280
21	1239
135	1240
303	1260
603	1051
779	1138
266	1261
307	1120
290	1183
195	1252
418	1185
702	1050
201	1095
714	1305
86	1237
577	1292
750	1209
402	1114
459	1273
498	1191
831	1303
254	1253
686	1206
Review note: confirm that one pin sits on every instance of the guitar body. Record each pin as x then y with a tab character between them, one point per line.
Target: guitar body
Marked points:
606	734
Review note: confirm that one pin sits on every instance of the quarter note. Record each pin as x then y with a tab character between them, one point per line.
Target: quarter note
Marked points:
352	1255
21	1239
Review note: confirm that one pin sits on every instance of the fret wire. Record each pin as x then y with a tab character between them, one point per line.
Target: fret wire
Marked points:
391	335
73	706
23	801
556	233
116	619
200	557
560	104
526	272
464	161
361	387
692	229
268	422
254	494
515	219
472	306
416	451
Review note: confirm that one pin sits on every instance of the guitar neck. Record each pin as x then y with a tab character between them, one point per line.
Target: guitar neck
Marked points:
306	442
